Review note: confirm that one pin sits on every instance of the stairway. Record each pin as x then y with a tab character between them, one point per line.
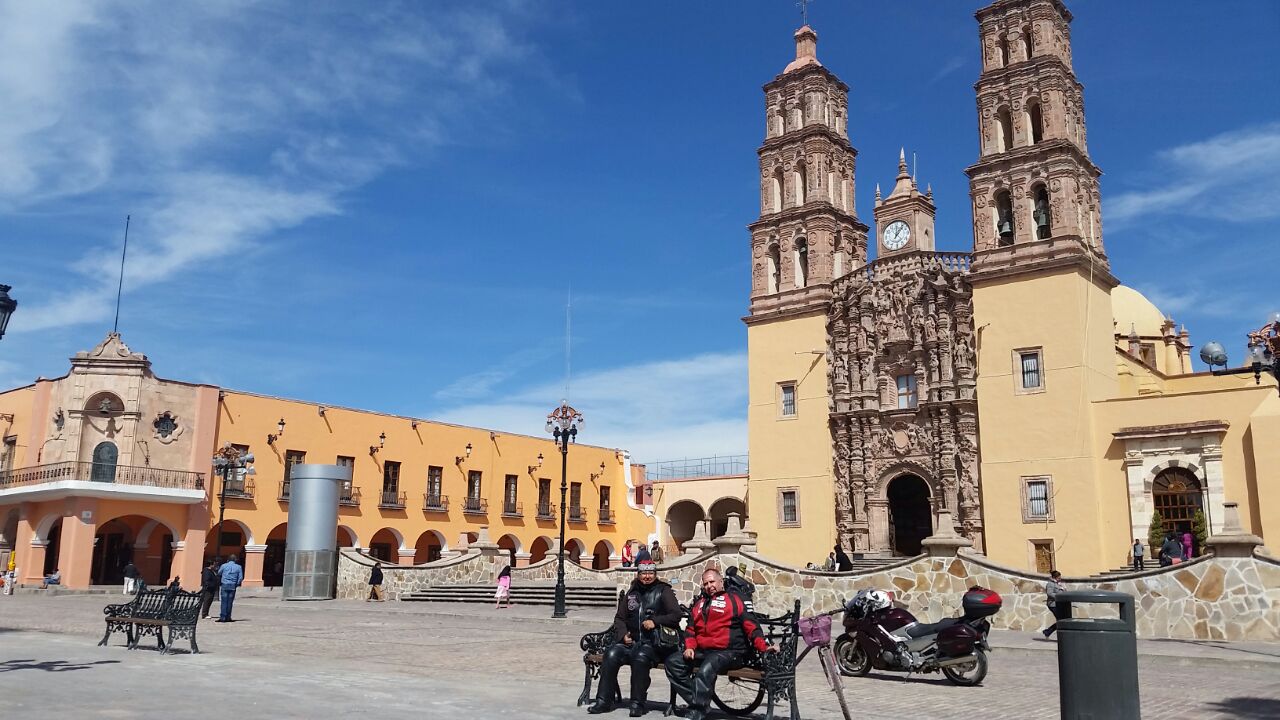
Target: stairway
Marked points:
576	595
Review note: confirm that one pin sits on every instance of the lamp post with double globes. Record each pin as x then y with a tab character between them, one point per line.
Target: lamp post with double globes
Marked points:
563	424
7	306
1264	353
230	462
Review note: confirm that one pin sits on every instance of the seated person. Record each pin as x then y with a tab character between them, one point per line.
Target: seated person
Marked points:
648	604
54	579
715	640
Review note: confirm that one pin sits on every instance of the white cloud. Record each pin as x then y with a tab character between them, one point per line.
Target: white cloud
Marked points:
1233	176
671	409
219	125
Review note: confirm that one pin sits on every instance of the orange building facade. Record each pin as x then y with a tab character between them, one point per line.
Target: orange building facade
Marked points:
111	464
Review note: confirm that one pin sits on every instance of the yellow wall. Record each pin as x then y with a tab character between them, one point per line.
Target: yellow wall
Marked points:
247	419
790	452
1051	432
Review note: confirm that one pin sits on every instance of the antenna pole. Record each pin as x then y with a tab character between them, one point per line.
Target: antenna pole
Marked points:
568	345
120	288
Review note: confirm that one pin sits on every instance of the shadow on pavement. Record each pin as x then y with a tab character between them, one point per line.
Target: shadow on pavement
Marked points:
50	665
1248	707
1233	647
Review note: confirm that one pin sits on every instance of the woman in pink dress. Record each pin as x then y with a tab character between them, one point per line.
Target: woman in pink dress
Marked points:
504	588
1186	546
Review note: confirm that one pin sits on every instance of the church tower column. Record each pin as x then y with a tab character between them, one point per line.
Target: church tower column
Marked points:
1041	295
807	236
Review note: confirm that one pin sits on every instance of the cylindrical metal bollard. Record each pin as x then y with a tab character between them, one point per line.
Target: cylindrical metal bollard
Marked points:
1097	659
310	553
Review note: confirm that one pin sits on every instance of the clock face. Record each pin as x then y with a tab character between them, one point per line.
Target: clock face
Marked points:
896	235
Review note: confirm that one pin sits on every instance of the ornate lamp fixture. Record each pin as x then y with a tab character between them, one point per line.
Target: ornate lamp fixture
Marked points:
7	306
273	437
563	424
1264	353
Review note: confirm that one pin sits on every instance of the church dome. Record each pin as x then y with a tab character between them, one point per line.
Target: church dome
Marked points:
1131	309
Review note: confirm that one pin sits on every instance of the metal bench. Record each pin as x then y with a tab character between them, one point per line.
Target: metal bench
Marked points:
150	612
769	676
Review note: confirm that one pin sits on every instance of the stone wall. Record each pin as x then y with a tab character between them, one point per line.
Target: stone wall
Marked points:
1207	599
474	567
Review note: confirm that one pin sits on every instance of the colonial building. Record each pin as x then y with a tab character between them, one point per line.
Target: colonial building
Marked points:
1017	384
110	464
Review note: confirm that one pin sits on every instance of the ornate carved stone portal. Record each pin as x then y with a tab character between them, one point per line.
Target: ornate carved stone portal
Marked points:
902	382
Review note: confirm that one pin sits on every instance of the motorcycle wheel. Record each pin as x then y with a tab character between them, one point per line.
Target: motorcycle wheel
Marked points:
736	696
851	658
969	674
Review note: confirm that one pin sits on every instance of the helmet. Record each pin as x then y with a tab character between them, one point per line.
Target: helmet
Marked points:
877	600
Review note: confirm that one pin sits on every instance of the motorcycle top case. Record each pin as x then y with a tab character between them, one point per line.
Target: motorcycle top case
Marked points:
980	603
957	640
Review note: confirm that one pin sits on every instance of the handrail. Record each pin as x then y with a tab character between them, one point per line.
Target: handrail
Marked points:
392	499
435	503
475	506
101	472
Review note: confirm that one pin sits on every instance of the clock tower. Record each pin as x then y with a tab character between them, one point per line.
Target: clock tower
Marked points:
904	219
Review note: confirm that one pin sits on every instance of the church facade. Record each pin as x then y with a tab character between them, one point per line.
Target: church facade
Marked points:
1018	384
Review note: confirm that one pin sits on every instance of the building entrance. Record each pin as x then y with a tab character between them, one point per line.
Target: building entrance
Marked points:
910	514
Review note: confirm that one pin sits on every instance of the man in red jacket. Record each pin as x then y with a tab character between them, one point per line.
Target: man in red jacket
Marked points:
717	637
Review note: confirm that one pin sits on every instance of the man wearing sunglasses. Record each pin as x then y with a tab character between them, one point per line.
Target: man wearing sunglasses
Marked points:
717	637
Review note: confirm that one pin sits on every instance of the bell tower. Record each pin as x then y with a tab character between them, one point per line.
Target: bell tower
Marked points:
808	233
1034	187
904	219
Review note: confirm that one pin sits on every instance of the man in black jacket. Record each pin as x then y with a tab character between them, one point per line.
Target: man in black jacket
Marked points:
208	587
648	605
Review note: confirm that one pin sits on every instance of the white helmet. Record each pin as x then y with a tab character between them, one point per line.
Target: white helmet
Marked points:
877	600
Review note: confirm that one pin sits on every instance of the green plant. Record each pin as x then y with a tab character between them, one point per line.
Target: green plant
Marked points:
1155	535
1200	529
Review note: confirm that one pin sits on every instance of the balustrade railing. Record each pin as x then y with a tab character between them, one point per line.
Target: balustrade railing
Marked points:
513	509
349	496
392	499
546	511
577	513
475	506
435	503
606	516
103	473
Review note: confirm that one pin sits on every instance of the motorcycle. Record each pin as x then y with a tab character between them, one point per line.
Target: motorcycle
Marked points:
881	636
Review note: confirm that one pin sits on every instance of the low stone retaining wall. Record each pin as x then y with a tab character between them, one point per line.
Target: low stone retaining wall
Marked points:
474	567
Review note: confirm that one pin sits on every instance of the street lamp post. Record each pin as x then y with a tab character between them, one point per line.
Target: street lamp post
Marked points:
563	424
7	306
229	461
1264	353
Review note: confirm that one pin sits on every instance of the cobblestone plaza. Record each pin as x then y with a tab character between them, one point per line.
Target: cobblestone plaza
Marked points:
401	660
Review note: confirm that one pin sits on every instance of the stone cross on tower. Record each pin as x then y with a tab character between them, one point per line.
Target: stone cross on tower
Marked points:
804	11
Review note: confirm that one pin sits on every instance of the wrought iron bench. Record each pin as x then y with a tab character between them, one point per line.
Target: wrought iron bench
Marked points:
769	676
150	612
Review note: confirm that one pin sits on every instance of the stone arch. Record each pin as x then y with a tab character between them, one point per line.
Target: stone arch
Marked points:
602	555
773	280
131	537
574	549
429	547
244	531
45	525
800	263
94	403
1004	129
539	548
386	545
144	533
352	540
682	519
510	544
719	511
1174	463
1035	120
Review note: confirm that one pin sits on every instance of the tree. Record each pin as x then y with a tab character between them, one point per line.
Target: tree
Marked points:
1155	535
1200	530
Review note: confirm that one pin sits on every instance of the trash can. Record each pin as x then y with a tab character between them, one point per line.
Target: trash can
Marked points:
1097	659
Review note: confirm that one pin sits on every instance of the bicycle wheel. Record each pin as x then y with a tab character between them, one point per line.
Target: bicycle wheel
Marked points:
737	696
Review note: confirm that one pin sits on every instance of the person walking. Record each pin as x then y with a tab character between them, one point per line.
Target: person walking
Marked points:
131	577
716	638
230	577
1137	556
208	587
843	563
655	552
504	589
1051	590
375	583
647	605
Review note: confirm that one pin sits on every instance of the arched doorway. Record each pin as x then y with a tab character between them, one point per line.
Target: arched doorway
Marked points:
1178	497
682	517
538	550
273	558
105	455
573	551
53	546
428	548
510	545
600	555
910	514
719	514
385	545
144	541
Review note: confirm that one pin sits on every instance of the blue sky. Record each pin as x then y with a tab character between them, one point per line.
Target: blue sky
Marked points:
385	205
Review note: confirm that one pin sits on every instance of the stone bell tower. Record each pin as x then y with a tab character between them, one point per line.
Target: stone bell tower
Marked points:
806	237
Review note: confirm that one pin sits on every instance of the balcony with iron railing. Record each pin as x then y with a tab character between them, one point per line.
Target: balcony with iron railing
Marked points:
577	514
475	506
349	496
512	509
284	491
66	479
392	500
238	489
606	516
435	503
546	511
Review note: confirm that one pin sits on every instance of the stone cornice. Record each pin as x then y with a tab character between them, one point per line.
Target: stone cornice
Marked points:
814	209
796	75
1201	427
1023	258
1002	6
1005	76
798	137
1025	155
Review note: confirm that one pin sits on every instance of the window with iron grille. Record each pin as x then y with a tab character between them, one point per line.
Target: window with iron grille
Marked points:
291	458
473	484
787	399
544	496
1032	374
1037	499
575	496
604	497
788	507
